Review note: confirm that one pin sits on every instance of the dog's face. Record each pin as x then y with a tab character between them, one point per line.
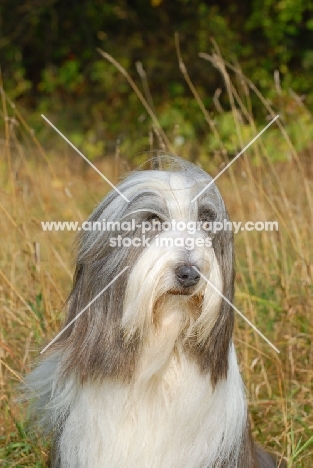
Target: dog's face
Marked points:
167	241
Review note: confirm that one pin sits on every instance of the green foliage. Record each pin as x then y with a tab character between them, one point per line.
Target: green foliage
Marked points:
38	307
20	451
298	448
50	64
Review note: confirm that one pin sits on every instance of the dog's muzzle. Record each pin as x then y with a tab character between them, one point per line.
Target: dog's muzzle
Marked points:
187	276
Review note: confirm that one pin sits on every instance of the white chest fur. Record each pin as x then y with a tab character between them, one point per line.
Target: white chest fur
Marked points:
172	421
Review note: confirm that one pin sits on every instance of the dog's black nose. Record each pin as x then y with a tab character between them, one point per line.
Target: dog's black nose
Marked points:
187	276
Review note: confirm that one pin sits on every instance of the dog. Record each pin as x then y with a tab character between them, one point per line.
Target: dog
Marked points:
144	373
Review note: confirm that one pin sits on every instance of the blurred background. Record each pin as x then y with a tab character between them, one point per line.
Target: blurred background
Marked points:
50	65
191	77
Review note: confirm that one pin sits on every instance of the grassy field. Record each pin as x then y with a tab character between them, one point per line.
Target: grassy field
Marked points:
271	181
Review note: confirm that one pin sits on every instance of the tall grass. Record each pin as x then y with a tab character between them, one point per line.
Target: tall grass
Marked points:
271	181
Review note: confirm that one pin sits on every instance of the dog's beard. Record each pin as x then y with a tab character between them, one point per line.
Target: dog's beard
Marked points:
163	313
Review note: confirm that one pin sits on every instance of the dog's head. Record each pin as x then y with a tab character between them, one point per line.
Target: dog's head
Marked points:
167	240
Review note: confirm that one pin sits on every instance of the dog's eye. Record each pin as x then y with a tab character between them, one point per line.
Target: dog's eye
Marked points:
207	215
153	217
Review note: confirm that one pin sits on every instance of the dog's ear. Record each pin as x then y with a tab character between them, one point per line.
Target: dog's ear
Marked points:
215	352
94	345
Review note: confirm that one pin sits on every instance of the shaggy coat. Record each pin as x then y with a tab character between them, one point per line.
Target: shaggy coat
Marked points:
147	376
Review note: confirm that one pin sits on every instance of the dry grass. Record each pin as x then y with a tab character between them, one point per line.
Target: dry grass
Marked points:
273	288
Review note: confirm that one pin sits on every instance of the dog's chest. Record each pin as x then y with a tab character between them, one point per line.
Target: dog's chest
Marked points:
171	421
165	424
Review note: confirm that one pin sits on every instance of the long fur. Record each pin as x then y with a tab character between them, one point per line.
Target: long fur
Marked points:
147	376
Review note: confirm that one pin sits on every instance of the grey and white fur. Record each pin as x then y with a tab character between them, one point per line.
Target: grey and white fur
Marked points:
147	376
